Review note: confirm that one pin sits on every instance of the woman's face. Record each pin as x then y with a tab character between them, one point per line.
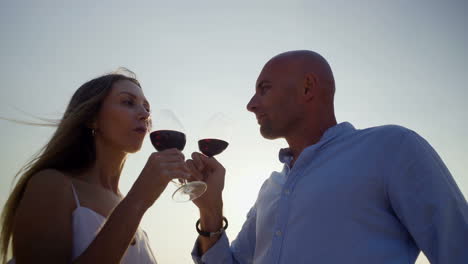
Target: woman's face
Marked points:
124	118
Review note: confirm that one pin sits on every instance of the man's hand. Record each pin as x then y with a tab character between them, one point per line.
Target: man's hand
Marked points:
212	173
210	203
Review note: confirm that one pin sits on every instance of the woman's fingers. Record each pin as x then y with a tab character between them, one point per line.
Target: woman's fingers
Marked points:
178	175
170	155
175	170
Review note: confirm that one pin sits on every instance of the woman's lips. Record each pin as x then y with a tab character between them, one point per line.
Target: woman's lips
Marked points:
141	130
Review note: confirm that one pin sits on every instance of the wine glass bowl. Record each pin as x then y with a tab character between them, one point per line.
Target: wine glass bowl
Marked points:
211	146
167	139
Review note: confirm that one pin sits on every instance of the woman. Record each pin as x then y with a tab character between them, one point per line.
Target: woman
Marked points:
66	206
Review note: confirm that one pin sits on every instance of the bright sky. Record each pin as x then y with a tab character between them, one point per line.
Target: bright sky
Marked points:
395	62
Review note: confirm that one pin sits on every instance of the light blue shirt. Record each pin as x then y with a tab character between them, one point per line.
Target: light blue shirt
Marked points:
377	195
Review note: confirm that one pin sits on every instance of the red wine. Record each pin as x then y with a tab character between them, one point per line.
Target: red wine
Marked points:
167	139
211	146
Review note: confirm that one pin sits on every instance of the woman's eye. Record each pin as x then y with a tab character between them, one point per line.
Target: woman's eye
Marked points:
127	102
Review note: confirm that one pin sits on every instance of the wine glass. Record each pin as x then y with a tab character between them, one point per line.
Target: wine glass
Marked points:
167	139
215	128
168	134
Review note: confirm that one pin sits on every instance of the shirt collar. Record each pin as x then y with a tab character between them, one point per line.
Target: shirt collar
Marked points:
285	154
337	130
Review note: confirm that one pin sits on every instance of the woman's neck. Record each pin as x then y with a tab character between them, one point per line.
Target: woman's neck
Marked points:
106	170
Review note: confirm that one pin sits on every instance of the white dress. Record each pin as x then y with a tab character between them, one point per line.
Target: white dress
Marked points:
87	224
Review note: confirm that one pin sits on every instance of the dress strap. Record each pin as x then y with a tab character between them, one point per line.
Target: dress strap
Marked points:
76	196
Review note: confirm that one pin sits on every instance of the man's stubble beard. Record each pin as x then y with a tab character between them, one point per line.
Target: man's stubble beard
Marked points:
267	131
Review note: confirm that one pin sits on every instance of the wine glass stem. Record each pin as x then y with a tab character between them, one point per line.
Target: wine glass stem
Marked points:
179	182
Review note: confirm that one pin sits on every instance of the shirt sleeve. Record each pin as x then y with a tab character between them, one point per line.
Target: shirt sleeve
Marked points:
427	200
241	251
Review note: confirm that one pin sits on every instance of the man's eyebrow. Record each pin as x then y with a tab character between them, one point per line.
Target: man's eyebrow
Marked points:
134	96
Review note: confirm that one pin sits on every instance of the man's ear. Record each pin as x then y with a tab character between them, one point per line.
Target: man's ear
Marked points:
310	87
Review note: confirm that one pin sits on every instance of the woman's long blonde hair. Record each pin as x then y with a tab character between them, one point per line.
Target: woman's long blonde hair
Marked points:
71	148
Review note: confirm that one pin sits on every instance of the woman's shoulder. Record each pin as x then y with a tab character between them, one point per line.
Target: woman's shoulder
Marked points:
49	179
48	186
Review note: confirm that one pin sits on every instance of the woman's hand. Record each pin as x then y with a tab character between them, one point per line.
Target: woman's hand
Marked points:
159	170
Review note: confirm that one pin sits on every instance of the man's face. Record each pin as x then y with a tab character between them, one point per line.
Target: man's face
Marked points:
275	102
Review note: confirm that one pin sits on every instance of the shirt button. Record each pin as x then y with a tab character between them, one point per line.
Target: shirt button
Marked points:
278	233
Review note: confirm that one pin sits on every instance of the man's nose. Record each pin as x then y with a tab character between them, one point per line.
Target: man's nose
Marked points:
253	104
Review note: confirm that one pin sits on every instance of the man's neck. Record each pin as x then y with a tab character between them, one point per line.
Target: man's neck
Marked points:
305	137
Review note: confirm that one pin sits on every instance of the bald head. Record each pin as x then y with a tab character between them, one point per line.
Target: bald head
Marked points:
294	98
294	94
301	63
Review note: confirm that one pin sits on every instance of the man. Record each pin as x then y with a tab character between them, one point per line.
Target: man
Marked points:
377	195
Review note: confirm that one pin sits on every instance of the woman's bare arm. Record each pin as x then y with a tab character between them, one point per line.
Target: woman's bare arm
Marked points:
43	224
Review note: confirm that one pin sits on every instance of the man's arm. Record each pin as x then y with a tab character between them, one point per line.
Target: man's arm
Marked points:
210	204
241	251
210	221
216	249
429	203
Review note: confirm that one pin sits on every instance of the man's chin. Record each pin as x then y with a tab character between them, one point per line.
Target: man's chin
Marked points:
268	133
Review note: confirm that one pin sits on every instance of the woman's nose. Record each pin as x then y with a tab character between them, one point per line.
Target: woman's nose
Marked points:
144	114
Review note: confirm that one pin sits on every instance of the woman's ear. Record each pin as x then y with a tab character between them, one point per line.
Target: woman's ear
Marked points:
92	125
